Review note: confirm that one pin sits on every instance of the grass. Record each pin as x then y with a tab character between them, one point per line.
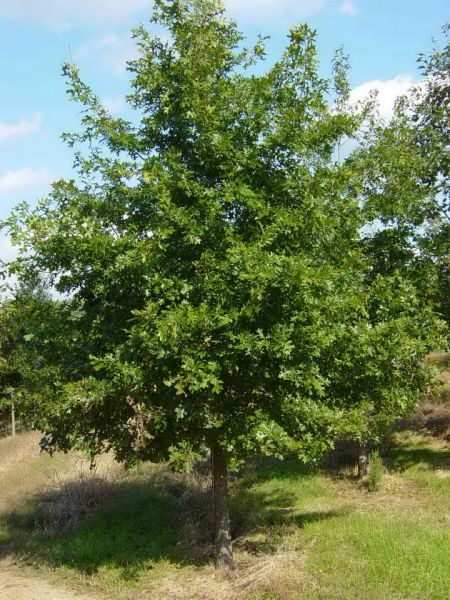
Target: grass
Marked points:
130	535
441	360
300	532
379	557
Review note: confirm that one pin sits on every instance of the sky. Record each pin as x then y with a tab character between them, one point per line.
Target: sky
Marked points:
382	37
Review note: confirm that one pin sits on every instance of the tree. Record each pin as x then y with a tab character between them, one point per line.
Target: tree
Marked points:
431	123
13	359
404	165
10	355
212	258
33	330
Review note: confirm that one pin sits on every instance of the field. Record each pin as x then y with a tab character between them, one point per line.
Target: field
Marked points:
301	532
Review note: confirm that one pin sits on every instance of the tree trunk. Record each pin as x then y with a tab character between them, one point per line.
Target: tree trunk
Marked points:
363	459
224	551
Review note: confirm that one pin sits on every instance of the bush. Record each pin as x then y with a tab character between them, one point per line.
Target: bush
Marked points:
433	417
375	472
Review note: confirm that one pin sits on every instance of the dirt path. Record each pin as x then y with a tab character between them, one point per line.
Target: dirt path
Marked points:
16	587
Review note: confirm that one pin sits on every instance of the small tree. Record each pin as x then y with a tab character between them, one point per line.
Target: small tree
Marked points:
211	251
13	360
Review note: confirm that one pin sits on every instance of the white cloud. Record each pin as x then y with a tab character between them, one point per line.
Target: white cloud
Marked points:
7	254
25	127
24	178
113	105
388	92
61	14
348	7
111	51
263	10
7	250
93	46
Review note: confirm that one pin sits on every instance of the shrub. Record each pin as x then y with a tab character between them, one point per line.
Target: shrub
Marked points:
432	416
375	473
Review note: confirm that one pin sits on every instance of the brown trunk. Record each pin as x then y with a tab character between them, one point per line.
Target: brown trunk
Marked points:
224	551
363	460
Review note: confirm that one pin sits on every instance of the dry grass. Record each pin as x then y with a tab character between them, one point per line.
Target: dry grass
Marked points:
16	451
69	498
433	414
432	417
443	392
63	490
277	576
440	359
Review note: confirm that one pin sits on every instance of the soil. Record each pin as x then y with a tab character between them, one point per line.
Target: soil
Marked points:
14	586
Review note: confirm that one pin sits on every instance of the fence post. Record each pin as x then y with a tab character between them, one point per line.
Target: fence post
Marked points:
13	420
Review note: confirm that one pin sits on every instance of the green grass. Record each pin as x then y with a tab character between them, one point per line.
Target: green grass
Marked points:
415	452
341	541
131	535
373	556
424	462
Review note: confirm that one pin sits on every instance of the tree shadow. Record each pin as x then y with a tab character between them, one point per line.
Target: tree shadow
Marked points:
264	469
402	458
133	527
271	505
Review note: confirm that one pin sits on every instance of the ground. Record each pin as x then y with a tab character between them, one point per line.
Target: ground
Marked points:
68	533
16	587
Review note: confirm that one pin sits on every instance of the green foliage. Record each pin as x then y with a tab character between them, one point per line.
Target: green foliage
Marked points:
404	170
375	472
219	289
14	354
431	116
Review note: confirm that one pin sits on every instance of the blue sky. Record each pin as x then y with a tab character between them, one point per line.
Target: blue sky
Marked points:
383	38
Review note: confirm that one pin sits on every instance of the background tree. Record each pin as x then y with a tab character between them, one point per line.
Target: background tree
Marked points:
401	171
10	362
34	334
404	165
211	253
431	123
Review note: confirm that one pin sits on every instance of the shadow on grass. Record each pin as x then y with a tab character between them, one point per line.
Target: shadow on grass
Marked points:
402	458
266	499
133	528
136	523
264	469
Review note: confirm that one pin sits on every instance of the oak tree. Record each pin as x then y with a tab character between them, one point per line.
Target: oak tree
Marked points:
210	251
